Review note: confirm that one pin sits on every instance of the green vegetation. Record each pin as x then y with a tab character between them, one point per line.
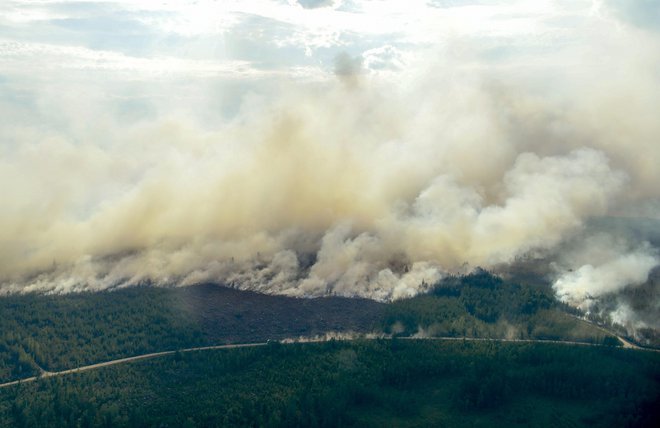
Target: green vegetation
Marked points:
397	382
61	332
364	383
15	363
483	305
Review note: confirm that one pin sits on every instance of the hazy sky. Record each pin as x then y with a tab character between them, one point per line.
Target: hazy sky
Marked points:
141	58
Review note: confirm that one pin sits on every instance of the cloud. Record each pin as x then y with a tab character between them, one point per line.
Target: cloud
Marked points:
313	4
641	13
383	58
48	56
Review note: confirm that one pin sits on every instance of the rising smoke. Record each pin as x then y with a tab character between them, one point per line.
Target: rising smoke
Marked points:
370	189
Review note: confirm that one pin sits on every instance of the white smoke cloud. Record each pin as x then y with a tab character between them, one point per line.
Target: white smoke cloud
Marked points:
329	176
602	266
374	225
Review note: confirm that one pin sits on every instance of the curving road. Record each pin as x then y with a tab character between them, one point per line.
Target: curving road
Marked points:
46	374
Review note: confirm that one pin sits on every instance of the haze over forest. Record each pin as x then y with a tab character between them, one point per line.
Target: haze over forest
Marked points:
356	148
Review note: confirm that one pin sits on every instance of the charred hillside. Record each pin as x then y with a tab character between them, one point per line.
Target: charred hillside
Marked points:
231	315
56	332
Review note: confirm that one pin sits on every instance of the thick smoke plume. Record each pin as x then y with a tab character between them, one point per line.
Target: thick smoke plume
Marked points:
377	189
602	267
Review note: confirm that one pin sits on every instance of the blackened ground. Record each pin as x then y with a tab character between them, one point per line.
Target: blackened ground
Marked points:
229	315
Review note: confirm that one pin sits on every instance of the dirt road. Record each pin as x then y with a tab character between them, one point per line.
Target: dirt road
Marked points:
46	374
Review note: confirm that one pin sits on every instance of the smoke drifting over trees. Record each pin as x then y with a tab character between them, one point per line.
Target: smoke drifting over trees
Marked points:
375	189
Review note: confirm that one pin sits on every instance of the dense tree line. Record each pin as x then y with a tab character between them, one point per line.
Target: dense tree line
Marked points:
15	363
369	383
484	305
60	332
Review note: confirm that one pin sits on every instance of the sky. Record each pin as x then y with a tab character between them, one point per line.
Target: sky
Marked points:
207	55
139	60
328	147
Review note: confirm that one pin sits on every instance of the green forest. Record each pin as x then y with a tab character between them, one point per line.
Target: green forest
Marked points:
58	332
359	383
484	305
393	382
